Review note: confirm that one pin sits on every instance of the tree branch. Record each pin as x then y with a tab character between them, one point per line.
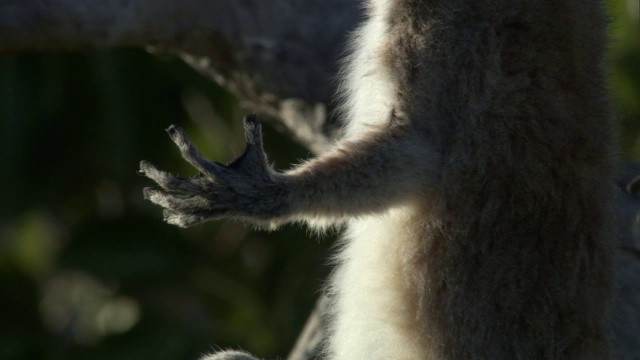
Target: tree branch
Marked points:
279	57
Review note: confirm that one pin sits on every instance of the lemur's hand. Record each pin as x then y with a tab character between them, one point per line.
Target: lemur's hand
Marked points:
245	189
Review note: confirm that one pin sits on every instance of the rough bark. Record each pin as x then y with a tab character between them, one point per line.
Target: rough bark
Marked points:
279	57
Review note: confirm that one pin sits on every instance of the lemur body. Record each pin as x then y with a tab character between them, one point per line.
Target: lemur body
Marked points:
474	175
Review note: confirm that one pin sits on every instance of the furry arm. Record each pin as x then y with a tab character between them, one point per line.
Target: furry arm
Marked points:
358	177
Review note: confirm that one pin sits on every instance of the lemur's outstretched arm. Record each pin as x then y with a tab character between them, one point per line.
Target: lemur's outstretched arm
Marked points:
358	177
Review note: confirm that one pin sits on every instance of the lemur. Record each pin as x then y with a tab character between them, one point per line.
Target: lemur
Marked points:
474	175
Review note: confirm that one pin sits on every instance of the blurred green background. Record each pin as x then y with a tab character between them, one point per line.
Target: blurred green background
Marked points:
88	270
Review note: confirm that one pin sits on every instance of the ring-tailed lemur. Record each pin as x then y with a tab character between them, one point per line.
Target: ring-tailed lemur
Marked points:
474	175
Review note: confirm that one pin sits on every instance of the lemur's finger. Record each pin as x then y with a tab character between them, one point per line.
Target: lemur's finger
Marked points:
252	130
186	220
190	153
171	182
254	157
179	203
176	218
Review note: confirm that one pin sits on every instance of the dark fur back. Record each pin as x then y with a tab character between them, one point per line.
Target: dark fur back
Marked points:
518	253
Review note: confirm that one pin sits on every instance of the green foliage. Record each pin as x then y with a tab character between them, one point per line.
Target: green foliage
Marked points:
87	268
625	72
